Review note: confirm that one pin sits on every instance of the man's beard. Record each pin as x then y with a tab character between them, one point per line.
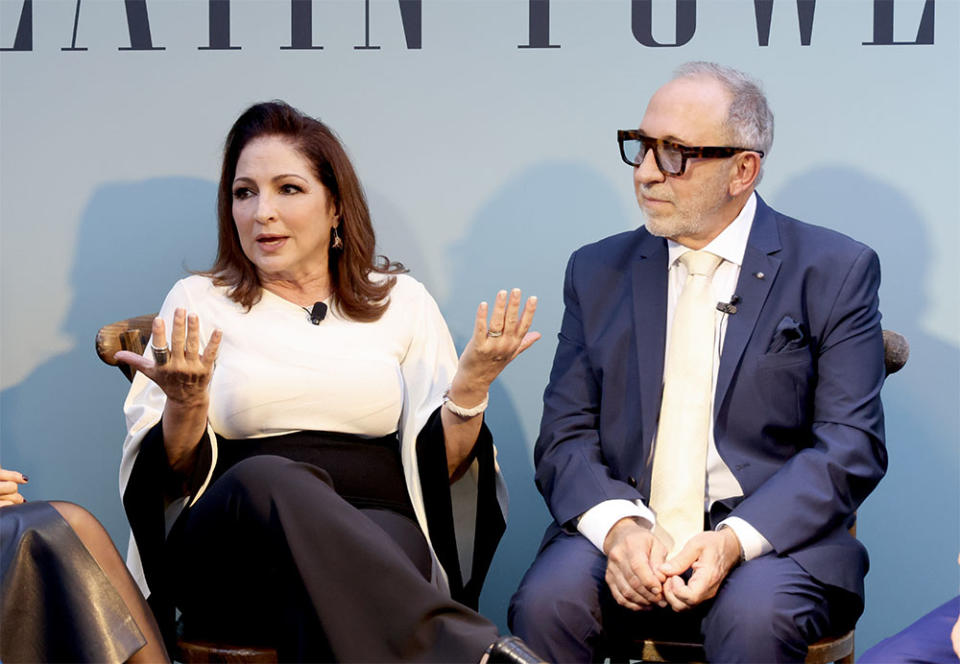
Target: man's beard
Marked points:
679	224
694	216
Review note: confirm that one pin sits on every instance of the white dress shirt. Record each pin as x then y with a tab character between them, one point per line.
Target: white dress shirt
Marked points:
730	245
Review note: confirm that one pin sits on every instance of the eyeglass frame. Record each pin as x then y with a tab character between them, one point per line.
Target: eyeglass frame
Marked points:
686	151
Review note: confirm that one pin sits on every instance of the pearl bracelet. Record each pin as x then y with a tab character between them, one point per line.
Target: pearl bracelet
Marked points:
465	412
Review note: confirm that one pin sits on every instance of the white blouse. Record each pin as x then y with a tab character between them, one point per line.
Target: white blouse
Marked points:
277	373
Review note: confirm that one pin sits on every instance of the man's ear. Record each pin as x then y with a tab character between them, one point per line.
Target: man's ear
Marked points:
746	168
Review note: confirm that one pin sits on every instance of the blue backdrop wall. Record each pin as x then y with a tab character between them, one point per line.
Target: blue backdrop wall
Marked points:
484	132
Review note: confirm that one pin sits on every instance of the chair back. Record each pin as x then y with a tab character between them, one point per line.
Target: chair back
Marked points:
896	351
130	334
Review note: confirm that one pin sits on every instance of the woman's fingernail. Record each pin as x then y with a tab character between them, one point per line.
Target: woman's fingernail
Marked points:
25	478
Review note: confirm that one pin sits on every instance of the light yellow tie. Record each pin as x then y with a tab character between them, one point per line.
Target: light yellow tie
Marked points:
680	454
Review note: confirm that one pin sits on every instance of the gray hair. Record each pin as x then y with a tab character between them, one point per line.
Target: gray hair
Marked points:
749	120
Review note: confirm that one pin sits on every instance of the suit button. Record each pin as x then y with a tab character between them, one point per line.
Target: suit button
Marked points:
632	481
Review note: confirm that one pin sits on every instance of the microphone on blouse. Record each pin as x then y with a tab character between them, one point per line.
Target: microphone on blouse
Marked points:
318	313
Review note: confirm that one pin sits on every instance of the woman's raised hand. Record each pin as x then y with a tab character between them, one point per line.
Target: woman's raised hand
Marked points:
10	481
495	344
180	370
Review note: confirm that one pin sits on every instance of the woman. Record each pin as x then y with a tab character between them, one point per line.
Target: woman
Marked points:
66	594
337	482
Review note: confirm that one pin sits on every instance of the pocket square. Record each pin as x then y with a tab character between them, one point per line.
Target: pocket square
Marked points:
788	336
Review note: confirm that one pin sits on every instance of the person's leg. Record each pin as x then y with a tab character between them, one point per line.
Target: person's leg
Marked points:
557	608
926	641
768	610
96	540
271	537
405	532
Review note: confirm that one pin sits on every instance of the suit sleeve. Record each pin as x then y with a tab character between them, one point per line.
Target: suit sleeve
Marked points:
571	472
819	488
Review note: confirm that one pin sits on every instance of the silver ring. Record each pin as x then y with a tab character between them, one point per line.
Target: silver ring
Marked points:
160	355
491	333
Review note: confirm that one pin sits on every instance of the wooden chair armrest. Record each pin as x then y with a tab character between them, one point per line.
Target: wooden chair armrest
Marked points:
131	334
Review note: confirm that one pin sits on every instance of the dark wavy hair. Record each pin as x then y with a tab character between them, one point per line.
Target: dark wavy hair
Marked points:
356	295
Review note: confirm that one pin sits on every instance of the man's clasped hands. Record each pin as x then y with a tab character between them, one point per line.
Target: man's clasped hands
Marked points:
640	575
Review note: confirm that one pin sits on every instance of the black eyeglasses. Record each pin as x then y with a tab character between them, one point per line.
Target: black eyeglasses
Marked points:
671	157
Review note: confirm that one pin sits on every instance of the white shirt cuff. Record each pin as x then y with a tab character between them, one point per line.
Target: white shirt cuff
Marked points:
752	543
596	522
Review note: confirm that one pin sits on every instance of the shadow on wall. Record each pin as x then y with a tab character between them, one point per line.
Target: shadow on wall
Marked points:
910	521
522	237
63	425
396	239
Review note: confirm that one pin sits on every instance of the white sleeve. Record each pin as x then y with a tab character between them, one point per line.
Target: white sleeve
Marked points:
752	543
143	408
429	363
428	367
144	404
596	522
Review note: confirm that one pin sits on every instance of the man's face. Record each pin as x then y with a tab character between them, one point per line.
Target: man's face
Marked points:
694	207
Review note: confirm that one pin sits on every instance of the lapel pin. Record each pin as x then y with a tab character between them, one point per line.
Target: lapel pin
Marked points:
758	275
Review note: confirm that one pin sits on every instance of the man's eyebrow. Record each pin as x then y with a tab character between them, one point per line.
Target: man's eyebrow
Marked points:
669	137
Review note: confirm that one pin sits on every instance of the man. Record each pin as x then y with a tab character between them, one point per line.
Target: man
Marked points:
786	443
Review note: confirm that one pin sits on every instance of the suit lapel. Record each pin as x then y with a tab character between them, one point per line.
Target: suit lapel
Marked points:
650	325
764	241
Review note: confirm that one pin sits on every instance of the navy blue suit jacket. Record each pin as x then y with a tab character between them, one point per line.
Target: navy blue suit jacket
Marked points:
797	413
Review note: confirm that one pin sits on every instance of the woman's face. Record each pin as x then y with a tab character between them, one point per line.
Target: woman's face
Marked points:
282	211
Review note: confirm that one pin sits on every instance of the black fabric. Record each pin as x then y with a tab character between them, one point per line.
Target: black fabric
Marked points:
435	484
271	553
366	472
56	603
367	475
368	469
406	533
145	500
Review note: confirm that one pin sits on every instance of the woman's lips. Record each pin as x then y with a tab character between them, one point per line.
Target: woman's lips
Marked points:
271	242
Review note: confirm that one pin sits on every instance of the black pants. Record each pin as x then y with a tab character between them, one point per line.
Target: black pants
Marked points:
272	553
